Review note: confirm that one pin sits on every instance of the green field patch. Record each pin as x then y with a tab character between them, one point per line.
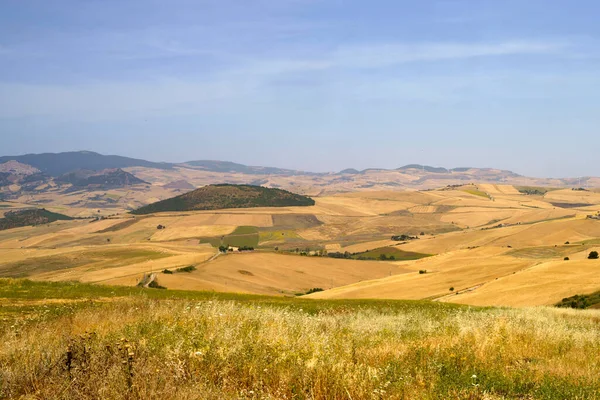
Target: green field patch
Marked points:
279	236
390	253
235	239
250	240
476	192
244	230
25	289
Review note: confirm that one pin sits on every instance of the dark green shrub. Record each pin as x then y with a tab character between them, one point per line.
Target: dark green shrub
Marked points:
314	290
593	255
154	285
189	268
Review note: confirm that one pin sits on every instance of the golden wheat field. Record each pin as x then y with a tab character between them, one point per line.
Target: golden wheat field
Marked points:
473	244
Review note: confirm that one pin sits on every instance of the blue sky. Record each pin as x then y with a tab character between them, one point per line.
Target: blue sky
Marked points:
318	85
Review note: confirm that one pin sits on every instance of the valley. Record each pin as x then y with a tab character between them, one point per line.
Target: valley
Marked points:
478	244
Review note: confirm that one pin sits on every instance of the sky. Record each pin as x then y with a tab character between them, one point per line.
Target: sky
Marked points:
317	85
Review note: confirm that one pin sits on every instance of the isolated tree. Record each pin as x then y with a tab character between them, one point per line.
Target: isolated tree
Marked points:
593	255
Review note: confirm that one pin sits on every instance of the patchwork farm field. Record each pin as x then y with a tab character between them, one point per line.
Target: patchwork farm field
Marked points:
473	244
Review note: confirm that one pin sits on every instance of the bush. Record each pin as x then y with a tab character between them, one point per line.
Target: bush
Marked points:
167	271
154	285
452	289
189	268
593	255
314	290
567	258
422	271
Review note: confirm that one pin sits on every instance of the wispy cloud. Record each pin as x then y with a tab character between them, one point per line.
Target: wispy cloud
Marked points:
381	55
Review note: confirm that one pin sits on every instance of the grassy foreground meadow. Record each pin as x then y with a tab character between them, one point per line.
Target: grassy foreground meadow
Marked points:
71	340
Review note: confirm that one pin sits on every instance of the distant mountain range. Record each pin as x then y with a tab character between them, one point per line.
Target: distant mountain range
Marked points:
85	170
56	164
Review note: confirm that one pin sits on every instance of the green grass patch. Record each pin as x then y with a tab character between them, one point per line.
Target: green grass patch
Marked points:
241	240
244	230
176	344
280	236
476	192
24	289
390	253
250	240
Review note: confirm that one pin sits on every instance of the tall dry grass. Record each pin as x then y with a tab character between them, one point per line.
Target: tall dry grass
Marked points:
173	349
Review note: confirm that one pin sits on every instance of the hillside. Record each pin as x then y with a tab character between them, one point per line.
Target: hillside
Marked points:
17	219
109	178
214	197
15	167
227	166
56	164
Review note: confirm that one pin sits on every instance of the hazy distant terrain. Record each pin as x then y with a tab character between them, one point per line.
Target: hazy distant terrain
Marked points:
120	183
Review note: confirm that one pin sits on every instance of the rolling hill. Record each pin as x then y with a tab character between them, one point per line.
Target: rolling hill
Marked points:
19	218
108	178
56	164
227	166
214	197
